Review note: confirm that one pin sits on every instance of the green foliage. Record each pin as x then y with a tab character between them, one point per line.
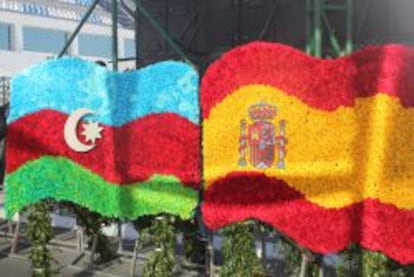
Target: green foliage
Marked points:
239	251
39	233
159	232
143	225
397	270
374	264
358	262
293	256
350	265
93	222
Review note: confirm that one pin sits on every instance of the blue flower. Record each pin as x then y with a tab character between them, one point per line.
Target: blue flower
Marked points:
68	84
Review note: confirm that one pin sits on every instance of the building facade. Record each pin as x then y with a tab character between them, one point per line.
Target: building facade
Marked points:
31	31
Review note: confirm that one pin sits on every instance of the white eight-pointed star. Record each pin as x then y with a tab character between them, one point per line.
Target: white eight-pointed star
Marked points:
92	131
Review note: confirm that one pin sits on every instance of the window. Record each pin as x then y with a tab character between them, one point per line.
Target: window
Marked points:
129	48
95	45
78	2
5	36
43	40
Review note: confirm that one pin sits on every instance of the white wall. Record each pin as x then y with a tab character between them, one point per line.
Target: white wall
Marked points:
16	60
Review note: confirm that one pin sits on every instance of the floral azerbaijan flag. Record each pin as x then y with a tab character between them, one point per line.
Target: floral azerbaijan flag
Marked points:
121	144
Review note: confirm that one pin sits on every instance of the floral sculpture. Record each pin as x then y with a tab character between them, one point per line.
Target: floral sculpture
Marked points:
121	144
320	149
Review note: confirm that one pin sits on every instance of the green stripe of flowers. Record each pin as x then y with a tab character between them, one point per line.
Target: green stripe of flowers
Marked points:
63	180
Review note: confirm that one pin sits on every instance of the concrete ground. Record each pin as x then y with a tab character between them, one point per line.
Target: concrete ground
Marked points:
67	264
68	260
18	265
64	251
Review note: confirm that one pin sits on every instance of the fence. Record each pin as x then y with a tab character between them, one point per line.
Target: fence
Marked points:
4	90
4	99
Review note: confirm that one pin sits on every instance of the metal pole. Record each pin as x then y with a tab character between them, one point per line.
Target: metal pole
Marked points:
78	28
332	38
120	246
321	271
269	21
166	21
93	251
134	258
3	87
349	47
263	246
309	27
163	33
210	255
303	266
317	31
16	236
136	37
6	90
115	35
240	21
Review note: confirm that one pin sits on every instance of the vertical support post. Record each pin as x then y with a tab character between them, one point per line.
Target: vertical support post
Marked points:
308	26
10	227
136	37
3	84
317	21
79	237
115	35
317	27
166	21
303	265
119	231
263	248
134	259
349	27
210	255
115	68
93	251
321	271
16	236
240	21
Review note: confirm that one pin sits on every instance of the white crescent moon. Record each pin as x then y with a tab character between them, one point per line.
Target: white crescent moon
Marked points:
70	135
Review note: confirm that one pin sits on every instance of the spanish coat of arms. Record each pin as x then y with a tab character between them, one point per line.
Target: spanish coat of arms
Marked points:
259	141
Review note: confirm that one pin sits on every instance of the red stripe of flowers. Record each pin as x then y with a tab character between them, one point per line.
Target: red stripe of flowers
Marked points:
155	144
324	84
372	224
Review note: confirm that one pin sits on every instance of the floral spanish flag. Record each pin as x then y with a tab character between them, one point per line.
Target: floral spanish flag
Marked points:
121	144
320	149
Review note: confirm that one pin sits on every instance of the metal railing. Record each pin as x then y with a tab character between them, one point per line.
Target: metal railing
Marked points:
4	100
4	90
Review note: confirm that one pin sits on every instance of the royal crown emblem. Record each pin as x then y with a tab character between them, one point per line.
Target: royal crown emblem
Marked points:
259	141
